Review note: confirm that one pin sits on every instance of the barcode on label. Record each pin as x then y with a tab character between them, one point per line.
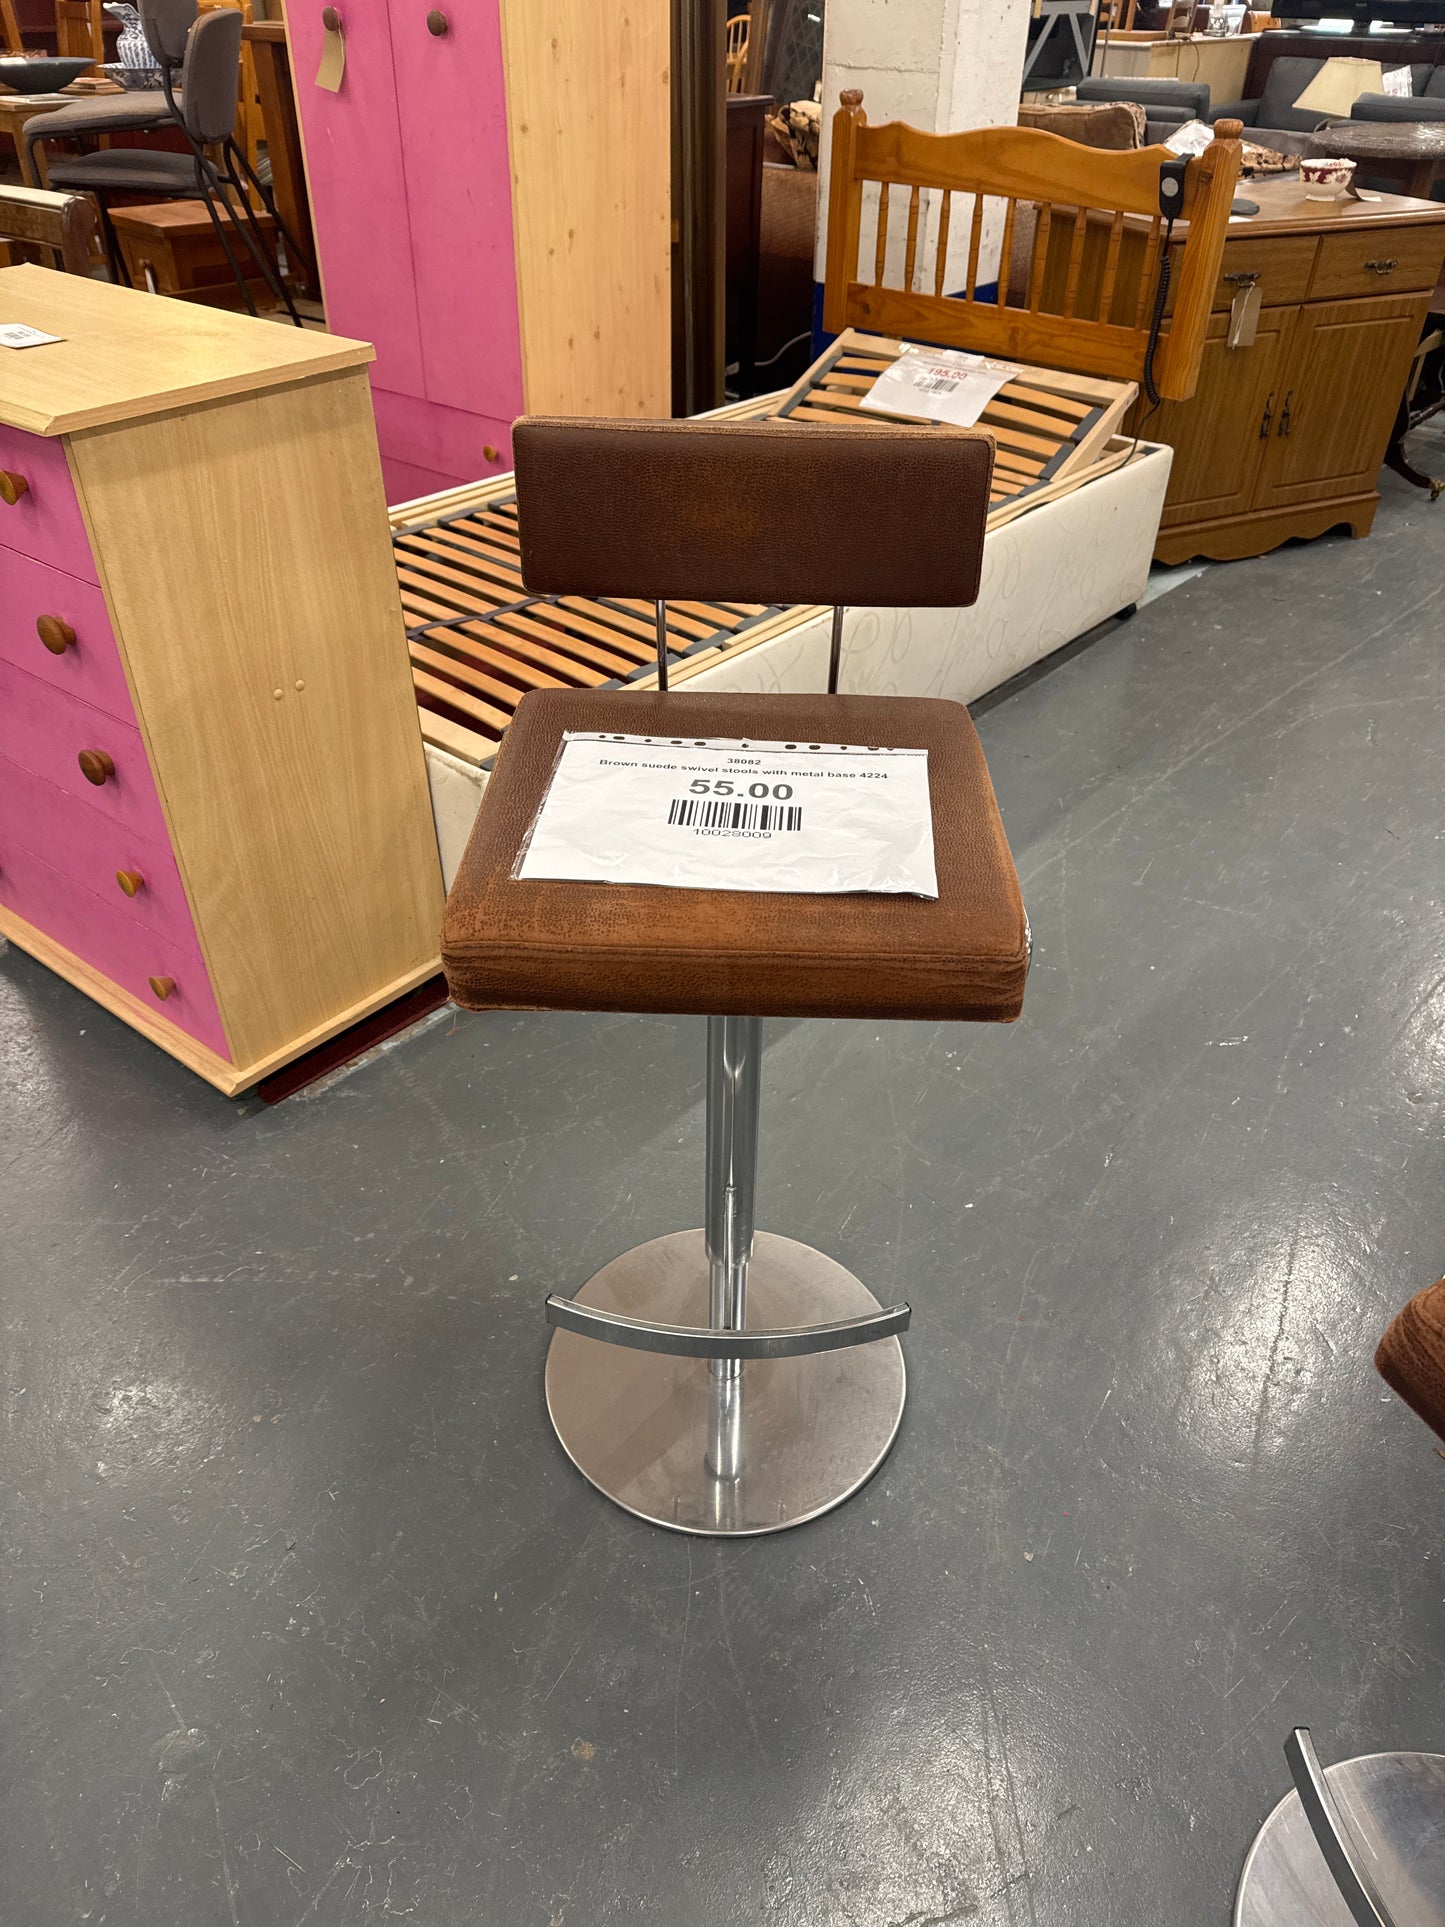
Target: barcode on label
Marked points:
936	384
698	813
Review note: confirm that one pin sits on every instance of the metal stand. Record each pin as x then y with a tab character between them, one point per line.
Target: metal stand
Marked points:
729	1427
1359	1842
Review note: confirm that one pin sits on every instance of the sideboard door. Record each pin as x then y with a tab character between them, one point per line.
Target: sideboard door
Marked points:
1218	446
1349	364
358	190
451	98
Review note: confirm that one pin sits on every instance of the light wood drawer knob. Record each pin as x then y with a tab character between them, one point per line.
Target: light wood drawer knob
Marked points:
12	486
162	986
57	636
95	766
130	881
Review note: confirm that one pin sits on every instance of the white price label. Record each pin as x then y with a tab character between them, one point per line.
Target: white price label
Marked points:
719	814
15	334
940	385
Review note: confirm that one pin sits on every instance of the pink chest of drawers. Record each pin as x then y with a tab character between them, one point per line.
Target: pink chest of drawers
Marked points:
213	806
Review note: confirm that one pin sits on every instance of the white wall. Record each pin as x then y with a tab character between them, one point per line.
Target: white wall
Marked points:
942	65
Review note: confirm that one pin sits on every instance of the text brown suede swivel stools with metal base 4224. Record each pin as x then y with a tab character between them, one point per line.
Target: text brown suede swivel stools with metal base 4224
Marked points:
722	1381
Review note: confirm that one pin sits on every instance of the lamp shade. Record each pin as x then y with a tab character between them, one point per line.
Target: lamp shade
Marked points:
1339	84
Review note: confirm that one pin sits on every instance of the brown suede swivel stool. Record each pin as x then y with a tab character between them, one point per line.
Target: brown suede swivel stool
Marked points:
720	1380
1411	1355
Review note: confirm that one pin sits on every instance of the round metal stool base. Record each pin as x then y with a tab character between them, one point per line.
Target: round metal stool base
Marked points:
1394	1807
805	1432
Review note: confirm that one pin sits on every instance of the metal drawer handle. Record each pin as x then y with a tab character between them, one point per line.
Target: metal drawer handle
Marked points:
700	1341
1381	267
1284	418
1268	416
331	19
1242	279
12	486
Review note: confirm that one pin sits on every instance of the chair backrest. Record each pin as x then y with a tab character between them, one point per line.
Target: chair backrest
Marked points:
737	51
210	74
167	25
63	223
1095	257
759	512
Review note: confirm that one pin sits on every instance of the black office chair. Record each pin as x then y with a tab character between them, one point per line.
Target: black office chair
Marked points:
208	52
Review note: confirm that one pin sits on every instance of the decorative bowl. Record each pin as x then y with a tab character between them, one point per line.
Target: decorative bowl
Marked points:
136	79
1325	180
44	76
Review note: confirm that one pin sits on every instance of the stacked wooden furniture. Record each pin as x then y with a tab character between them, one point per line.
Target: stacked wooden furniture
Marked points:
1286	432
491	193
213	804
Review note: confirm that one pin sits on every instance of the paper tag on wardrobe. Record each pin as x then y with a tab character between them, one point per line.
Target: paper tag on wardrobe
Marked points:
333	58
1244	316
715	813
939	385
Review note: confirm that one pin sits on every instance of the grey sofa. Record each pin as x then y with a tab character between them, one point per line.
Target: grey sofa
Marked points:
1172	101
1167	104
1272	119
1426	102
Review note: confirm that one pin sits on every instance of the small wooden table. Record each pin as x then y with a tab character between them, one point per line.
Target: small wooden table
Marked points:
15	110
1410	151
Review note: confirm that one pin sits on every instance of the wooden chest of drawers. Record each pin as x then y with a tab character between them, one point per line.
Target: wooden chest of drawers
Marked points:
1285	434
213	804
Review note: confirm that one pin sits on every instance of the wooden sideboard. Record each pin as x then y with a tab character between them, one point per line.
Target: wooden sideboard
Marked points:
214	815
1285	437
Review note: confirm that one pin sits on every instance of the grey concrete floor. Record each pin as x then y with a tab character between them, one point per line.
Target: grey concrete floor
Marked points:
307	1621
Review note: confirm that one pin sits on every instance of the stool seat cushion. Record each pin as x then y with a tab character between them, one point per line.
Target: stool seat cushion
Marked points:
135	170
548	945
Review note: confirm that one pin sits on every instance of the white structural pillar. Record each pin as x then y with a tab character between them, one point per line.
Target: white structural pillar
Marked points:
941	65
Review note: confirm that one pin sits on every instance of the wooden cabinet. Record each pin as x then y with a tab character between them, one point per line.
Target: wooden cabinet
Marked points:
1215	475
490	188
214	815
1334	415
1285	436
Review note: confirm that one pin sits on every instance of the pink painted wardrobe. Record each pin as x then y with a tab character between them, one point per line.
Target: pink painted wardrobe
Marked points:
490	194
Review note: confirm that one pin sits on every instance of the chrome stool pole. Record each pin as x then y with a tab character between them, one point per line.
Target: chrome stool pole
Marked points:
726	1428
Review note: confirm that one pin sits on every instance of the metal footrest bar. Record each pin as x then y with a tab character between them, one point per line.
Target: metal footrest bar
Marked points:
701	1341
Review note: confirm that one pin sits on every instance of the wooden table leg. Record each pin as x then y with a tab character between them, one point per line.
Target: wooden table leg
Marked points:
283	143
1420	178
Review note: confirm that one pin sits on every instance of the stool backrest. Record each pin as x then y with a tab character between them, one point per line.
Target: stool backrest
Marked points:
167	24
752	511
